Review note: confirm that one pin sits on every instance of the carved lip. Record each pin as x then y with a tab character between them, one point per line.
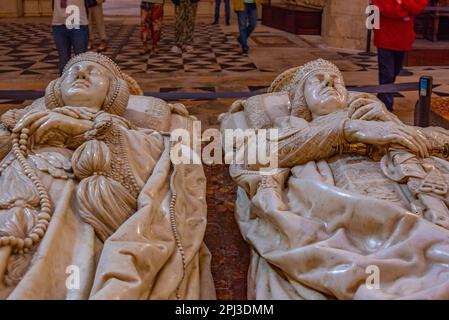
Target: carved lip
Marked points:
83	83
328	90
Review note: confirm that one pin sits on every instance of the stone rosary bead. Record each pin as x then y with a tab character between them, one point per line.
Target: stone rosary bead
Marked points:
19	150
28	243
4	241
39	232
35	237
20	243
44	216
12	241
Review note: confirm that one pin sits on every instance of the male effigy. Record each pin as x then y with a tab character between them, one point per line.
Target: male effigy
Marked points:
90	204
356	191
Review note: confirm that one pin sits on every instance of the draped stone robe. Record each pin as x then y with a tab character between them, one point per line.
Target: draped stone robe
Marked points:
320	226
141	259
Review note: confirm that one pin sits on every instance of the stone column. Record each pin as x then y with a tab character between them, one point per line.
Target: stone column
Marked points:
343	24
11	8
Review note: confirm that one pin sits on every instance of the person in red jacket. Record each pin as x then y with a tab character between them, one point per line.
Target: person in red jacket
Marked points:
394	37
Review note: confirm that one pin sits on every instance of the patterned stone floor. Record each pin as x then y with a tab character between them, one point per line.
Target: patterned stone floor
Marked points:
28	50
28	61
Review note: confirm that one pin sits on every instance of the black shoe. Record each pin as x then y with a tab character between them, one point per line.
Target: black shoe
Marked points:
215	22
228	23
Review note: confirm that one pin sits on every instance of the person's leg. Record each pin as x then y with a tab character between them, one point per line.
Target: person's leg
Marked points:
91	25
144	25
386	74
90	44
217	11
190	23
179	24
79	38
63	45
227	11
252	18
398	62
242	18
99	19
157	14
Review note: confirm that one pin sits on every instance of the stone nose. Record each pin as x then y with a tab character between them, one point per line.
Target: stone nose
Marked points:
81	74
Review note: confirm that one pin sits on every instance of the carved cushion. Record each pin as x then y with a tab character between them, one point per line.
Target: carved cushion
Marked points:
149	113
262	110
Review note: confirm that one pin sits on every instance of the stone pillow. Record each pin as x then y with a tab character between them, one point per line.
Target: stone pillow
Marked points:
149	113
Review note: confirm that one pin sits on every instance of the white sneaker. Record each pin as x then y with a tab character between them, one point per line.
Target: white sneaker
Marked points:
189	48
176	49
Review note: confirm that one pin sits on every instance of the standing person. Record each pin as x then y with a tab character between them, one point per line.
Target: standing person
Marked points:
185	12
227	5
247	18
394	38
69	31
151	14
96	17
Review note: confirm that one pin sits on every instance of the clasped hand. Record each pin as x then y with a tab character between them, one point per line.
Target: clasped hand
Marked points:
66	121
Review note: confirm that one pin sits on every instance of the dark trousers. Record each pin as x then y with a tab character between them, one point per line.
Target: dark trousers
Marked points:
247	23
227	4
66	39
390	64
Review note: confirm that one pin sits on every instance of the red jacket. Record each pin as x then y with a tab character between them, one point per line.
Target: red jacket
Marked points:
397	22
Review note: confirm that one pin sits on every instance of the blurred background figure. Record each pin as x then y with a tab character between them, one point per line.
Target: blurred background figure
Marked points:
247	18
96	17
68	32
185	12
394	38
152	13
227	5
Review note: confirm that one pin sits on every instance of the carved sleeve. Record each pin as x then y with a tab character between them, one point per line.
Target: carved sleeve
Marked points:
317	141
437	136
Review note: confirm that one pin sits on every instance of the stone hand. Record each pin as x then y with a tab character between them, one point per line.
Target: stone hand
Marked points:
77	112
387	133
42	123
369	108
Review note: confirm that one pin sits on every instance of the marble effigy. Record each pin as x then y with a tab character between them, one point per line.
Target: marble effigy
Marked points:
91	206
358	208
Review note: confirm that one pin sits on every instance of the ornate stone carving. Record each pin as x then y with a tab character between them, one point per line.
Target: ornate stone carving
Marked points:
81	185
363	189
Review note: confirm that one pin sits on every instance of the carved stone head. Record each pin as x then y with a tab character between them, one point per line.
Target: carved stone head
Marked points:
92	80
317	88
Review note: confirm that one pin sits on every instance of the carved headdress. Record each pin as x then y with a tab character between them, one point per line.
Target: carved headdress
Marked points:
121	85
293	80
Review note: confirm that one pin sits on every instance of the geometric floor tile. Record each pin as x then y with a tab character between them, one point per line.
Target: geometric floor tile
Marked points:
28	49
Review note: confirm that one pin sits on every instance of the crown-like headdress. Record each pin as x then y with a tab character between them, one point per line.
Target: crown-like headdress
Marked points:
121	87
292	81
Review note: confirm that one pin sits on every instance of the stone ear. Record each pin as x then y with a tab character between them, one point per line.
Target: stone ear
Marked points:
117	98
53	97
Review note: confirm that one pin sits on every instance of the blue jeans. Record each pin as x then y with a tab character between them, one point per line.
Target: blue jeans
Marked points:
390	64
227	4
65	39
247	23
